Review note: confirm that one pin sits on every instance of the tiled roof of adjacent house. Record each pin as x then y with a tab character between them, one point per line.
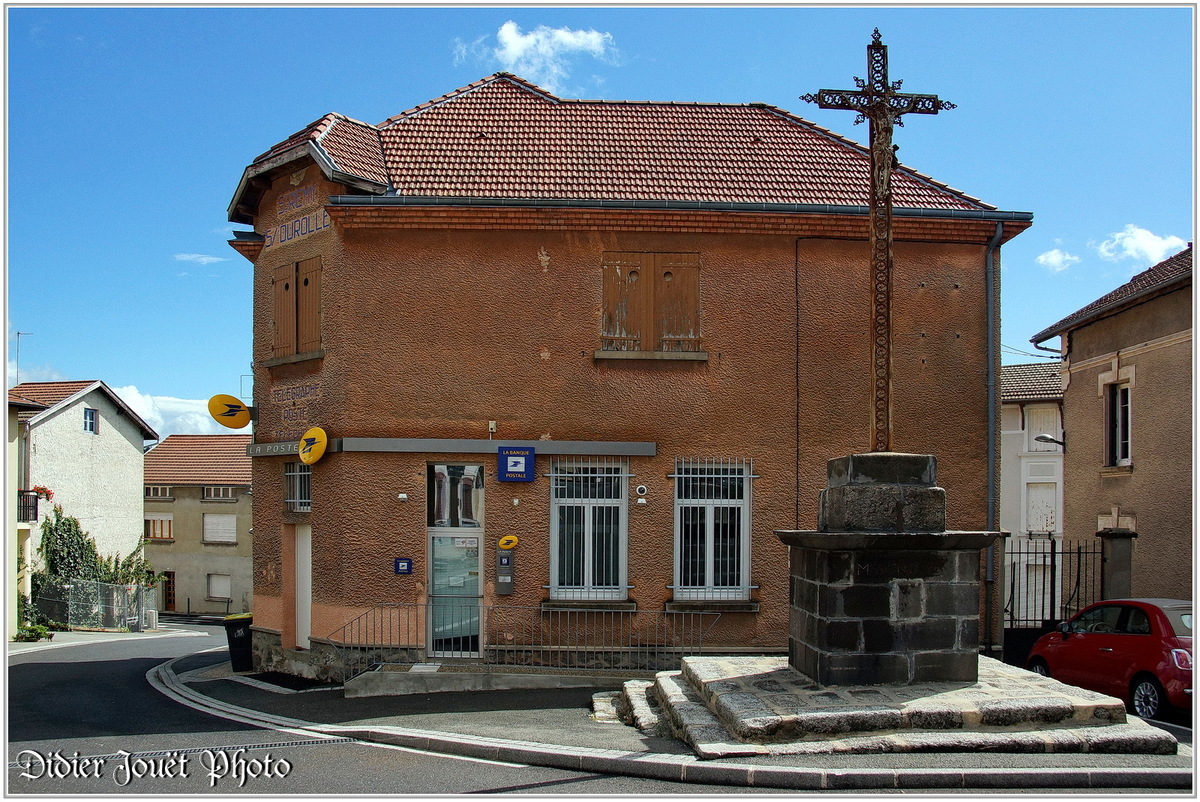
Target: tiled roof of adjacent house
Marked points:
199	459
1037	382
503	137
21	402
1164	274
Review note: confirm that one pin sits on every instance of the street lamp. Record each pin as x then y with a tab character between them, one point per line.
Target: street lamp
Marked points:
1045	438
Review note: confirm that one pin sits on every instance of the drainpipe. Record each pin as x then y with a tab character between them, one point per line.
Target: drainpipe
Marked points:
993	299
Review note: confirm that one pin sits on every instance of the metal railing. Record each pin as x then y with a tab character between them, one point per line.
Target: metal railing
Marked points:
1049	579
27	506
521	638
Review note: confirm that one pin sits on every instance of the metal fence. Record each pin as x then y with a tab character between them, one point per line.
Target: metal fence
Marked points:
82	604
521	638
1046	581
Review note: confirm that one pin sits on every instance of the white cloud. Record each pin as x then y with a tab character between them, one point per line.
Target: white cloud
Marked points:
543	55
199	258
167	415
1140	245
33	373
1057	260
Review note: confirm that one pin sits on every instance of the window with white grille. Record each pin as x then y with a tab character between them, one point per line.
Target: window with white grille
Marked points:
220	528
220	493
220	586
297	478
158	491
588	509
158	526
712	529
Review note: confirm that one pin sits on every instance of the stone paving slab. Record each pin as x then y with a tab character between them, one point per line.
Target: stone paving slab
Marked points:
727	706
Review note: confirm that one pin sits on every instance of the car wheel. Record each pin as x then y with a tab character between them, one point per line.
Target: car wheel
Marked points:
1039	666
1147	698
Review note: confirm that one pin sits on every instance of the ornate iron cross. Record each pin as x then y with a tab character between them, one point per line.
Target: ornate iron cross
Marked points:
881	104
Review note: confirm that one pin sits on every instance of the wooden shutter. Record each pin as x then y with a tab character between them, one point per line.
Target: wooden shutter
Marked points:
677	301
285	310
626	324
308	305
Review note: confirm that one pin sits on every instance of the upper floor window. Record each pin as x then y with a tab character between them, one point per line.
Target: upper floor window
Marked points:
91	420
220	528
296	289
1118	422
651	302
158	492
297	479
158	526
712	529
220	493
588	529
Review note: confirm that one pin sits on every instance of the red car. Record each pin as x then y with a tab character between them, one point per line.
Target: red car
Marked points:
1139	650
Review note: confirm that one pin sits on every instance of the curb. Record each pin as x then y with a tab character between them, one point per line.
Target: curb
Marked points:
685	768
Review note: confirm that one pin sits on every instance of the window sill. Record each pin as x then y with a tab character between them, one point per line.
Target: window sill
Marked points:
666	356
217	543
1116	470
219	501
221	599
587	604
288	360
711	606
159	498
160	540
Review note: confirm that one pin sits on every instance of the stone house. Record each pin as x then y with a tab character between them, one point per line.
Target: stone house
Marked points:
23	507
628	335
1127	413
86	446
197	522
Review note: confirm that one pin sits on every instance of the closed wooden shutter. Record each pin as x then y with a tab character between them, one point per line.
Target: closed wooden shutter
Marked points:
219	586
285	310
677	300
626	323
308	305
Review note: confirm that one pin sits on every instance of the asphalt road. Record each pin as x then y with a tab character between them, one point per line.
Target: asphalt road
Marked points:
84	719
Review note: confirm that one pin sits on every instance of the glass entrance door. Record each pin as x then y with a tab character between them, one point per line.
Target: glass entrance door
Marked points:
455	531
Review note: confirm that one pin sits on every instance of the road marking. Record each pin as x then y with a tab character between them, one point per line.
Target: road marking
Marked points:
160	678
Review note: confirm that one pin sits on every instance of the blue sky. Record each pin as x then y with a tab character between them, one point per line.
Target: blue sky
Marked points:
128	129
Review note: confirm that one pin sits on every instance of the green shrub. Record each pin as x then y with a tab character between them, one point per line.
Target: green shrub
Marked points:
33	632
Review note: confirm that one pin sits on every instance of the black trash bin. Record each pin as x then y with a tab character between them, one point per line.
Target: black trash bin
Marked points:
237	630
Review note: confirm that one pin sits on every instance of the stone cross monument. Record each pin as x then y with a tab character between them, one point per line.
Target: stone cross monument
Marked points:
881	104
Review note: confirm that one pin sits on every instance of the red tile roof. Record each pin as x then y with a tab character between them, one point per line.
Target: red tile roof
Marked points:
1041	381
199	459
1173	270
503	137
20	402
50	393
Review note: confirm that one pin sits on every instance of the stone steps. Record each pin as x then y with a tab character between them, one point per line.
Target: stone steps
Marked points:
729	707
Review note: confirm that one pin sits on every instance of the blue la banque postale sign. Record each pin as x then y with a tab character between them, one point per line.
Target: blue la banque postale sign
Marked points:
515	464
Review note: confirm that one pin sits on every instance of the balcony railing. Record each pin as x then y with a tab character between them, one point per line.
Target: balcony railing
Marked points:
27	506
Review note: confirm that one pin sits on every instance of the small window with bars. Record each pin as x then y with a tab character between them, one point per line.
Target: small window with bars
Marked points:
220	493
158	491
297	479
712	529
588	509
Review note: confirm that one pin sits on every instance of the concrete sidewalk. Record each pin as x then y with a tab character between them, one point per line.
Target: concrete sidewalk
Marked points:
559	728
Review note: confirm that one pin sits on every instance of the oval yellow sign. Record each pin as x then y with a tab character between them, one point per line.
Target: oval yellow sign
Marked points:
312	445
508	542
229	411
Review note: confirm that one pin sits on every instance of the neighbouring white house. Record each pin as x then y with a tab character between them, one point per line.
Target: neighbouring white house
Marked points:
86	447
1031	492
22	510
